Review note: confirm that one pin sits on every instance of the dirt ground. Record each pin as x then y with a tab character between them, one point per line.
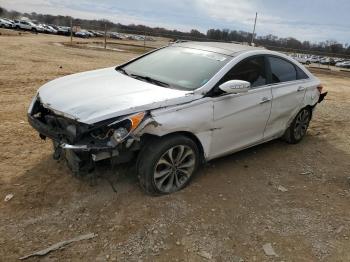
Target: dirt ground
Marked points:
232	208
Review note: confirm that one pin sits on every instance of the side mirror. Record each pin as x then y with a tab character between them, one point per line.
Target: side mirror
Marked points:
235	86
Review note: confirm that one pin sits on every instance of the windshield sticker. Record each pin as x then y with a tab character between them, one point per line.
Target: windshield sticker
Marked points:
210	55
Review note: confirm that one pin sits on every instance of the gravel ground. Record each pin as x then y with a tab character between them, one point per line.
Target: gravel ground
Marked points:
274	202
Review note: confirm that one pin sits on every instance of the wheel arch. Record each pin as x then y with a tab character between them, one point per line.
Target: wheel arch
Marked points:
148	138
287	136
309	107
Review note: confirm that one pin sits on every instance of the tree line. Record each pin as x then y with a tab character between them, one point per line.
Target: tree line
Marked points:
269	41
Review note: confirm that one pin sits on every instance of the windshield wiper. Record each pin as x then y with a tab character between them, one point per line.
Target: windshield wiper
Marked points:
150	80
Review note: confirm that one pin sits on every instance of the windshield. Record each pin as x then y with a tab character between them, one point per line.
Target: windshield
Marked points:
177	67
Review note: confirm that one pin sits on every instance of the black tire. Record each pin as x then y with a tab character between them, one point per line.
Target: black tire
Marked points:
152	157
298	128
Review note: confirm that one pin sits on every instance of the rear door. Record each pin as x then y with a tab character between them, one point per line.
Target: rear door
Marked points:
289	84
240	119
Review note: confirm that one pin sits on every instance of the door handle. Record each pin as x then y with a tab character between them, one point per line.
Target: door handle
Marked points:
301	88
265	100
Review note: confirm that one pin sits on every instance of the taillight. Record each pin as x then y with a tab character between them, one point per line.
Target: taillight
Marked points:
320	88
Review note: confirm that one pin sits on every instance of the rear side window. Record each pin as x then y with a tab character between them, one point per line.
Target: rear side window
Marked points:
282	70
301	74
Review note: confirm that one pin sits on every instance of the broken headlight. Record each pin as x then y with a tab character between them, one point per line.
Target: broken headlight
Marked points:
119	130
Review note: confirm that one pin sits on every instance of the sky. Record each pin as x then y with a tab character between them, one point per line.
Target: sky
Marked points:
312	20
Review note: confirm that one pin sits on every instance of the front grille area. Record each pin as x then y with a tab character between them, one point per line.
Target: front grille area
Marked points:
52	125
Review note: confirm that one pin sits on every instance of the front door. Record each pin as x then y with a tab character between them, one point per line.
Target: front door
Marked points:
240	119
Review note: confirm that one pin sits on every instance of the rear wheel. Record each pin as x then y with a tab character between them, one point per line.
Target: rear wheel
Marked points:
168	164
297	130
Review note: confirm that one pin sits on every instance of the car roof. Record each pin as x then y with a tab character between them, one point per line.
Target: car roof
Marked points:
229	49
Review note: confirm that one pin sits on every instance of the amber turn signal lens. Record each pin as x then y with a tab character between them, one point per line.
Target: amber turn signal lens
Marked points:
136	120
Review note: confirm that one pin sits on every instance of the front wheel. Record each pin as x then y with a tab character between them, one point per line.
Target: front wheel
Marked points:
297	130
167	164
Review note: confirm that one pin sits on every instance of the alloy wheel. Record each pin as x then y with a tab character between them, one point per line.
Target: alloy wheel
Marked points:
174	168
301	124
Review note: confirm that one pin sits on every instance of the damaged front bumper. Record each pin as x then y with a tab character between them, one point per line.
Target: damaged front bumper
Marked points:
81	159
80	144
97	153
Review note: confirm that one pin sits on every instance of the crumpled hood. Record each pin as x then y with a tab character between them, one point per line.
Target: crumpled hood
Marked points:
93	96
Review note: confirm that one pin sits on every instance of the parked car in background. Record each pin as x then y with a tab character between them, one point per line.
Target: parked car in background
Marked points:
327	61
49	29
89	33
175	108
54	27
338	60
63	30
5	23
344	64
92	33
99	34
302	59
39	27
82	34
28	25
314	59
8	20
135	37
115	36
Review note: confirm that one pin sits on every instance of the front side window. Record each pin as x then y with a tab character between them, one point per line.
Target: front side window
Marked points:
282	70
251	70
178	67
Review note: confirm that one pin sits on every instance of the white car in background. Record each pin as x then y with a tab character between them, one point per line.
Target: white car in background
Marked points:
49	29
5	23
314	59
175	108
302	59
344	64
28	25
